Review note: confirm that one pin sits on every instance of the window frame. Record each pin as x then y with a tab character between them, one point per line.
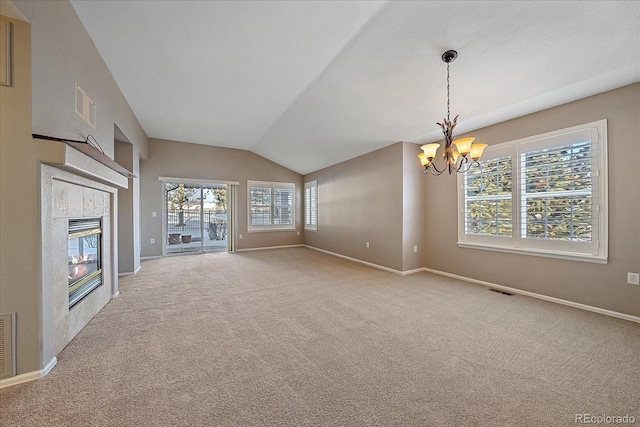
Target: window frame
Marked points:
594	251
311	205
271	226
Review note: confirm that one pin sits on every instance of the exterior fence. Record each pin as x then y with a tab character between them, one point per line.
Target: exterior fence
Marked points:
181	220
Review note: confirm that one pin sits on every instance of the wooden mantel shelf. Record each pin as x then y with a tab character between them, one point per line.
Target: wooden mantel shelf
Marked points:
91	151
96	154
83	158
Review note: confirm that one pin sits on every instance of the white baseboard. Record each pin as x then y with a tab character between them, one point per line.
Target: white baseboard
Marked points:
29	376
142	258
116	295
268	247
129	273
370	264
573	304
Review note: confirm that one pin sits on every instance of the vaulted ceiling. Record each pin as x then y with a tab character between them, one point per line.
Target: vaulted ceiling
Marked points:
308	84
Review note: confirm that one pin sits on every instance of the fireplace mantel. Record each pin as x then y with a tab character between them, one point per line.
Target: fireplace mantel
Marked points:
64	156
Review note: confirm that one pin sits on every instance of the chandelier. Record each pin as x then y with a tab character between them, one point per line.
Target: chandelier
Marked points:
465	154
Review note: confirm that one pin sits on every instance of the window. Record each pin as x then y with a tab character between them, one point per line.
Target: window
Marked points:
271	206
311	205
544	195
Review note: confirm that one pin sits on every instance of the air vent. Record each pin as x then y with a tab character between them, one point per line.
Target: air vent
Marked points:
85	107
7	345
84	224
501	292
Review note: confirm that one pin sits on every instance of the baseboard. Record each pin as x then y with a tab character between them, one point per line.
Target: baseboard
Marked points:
573	304
116	295
268	247
29	376
370	264
130	273
142	258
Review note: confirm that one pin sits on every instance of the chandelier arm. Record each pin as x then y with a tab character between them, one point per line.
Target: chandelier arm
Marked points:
463	162
471	164
430	169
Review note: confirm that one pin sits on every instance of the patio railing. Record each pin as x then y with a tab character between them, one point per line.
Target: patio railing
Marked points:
188	220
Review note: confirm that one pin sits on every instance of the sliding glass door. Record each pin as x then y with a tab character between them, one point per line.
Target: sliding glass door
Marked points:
196	217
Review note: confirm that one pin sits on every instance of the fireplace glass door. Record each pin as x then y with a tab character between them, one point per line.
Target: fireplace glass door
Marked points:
84	258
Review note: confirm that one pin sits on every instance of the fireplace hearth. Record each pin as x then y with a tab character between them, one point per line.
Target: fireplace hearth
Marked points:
84	257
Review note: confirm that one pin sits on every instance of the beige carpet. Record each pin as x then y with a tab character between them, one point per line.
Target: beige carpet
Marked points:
294	337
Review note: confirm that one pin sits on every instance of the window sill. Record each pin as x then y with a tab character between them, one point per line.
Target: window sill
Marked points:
570	256
268	229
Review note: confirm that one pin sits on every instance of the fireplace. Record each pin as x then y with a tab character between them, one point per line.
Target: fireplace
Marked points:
84	257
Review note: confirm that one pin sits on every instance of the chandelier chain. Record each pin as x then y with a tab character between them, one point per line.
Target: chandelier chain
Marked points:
448	98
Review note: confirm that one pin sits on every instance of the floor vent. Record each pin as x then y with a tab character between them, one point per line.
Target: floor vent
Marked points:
7	345
501	292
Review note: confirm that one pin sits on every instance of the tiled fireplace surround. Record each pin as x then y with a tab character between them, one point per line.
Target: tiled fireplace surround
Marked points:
69	193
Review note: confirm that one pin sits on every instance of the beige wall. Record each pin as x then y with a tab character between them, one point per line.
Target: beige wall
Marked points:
370	198
413	218
128	210
603	286
196	161
361	200
20	205
50	54
63	55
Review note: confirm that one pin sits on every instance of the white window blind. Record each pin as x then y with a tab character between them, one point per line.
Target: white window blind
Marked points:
544	195
311	205
488	198
556	192
271	206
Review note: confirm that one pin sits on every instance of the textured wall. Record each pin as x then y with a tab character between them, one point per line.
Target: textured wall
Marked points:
72	201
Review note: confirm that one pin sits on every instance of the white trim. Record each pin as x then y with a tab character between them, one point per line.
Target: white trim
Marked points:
196	181
314	201
29	376
130	273
415	270
144	258
116	295
596	250
271	227
370	264
268	247
573	304
535	252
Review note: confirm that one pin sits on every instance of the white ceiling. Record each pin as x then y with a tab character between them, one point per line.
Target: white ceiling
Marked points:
308	84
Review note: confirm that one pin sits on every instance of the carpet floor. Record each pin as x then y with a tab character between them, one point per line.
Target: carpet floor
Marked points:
295	337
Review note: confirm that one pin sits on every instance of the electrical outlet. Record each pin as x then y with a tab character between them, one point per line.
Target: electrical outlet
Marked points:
367	244
633	278
154	214
152	241
298	233
415	248
240	236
